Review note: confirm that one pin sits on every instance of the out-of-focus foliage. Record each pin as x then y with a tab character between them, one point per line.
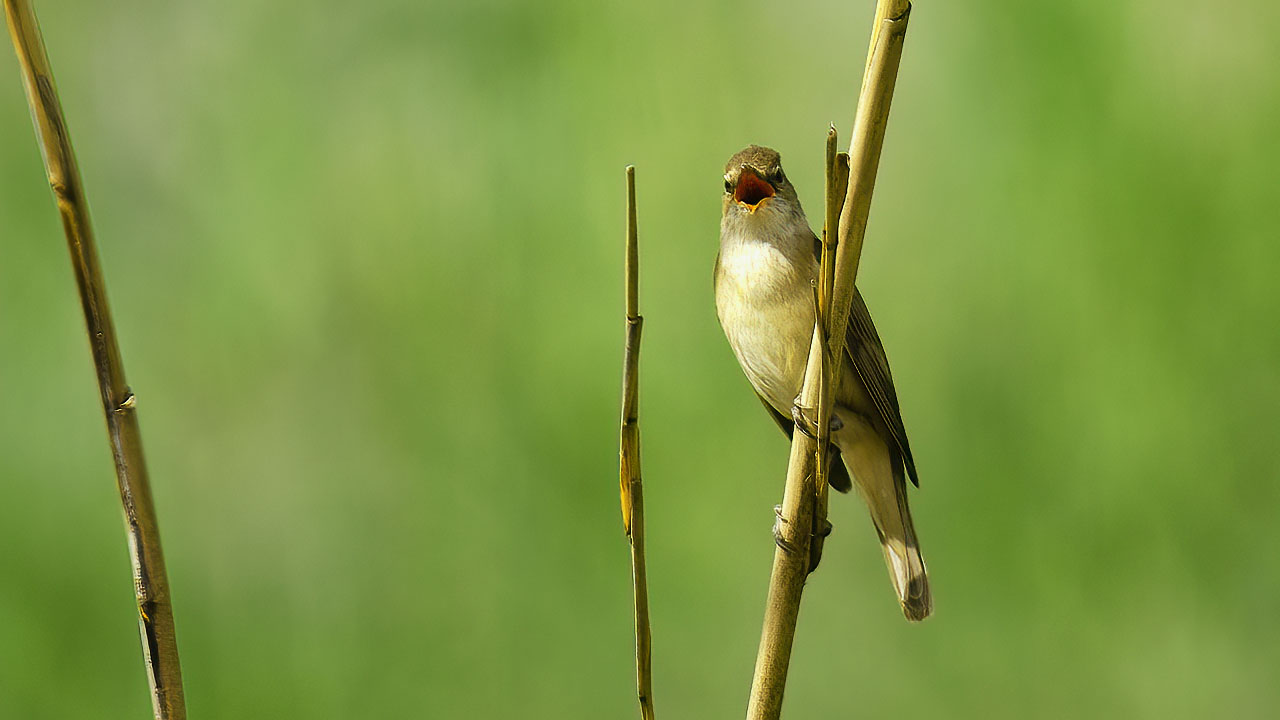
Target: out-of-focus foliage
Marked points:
366	266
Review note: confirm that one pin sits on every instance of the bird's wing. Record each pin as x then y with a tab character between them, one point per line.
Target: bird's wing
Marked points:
863	347
837	474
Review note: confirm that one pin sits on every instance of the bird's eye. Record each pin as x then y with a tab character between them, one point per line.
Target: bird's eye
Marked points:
779	177
728	186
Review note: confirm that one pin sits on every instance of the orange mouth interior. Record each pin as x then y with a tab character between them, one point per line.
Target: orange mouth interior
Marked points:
752	189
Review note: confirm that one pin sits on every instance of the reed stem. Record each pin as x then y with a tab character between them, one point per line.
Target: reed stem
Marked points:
119	405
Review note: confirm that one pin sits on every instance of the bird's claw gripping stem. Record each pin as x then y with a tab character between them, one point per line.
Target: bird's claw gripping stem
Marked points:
778	538
809	427
821	529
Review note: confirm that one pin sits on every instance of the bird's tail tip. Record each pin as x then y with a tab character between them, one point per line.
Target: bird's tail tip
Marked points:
910	580
917	601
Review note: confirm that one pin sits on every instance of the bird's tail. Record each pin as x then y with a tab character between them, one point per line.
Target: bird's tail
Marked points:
902	555
880	479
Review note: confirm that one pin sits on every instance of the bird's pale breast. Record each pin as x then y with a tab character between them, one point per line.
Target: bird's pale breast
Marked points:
765	303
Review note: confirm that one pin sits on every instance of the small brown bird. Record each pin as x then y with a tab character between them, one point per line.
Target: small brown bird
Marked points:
769	258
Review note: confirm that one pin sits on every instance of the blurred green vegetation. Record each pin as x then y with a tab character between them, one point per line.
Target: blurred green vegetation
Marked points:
366	267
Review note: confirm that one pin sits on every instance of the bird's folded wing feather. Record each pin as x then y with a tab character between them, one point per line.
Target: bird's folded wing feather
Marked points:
862	345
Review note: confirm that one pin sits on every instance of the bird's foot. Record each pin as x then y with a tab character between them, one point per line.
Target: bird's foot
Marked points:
809	427
803	424
778	524
821	529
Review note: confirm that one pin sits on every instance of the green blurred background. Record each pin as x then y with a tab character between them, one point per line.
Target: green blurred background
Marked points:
365	261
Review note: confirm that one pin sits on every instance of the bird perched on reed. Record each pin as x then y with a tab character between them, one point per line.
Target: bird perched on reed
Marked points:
764	275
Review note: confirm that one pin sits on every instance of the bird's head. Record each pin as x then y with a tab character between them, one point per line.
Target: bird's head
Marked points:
755	188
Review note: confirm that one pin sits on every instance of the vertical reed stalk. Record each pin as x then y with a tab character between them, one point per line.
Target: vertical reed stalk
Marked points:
629	461
791	558
151	585
837	180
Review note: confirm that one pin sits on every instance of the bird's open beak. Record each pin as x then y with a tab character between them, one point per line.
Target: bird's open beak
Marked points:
752	189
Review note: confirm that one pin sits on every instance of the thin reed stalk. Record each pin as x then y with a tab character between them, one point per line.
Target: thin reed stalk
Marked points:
837	180
629	456
119	405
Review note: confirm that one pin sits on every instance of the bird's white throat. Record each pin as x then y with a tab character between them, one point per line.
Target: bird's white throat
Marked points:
754	266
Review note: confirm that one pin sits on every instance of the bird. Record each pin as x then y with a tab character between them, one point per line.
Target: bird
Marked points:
765	272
